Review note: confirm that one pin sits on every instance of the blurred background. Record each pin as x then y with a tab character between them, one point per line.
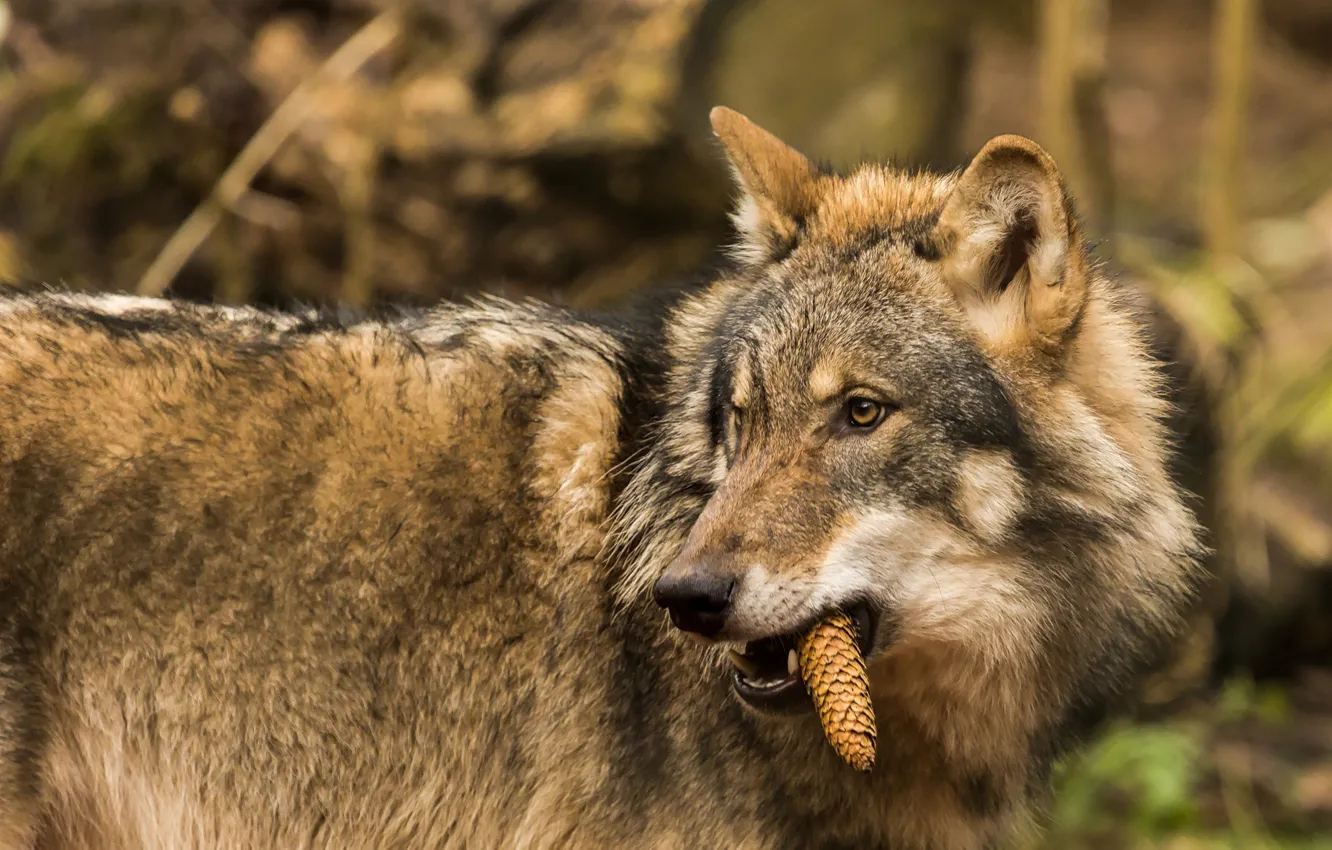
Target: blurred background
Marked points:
367	151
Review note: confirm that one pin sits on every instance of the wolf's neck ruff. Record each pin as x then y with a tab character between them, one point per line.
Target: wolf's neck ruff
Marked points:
395	582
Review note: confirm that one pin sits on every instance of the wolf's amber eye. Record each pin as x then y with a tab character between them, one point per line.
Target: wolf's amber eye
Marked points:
864	412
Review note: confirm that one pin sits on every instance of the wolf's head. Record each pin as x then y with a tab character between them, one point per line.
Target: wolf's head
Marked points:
916	400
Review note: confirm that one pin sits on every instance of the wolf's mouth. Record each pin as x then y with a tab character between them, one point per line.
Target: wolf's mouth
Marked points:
767	674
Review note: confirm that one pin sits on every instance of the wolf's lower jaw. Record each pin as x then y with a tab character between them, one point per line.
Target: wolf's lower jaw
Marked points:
767	673
773	696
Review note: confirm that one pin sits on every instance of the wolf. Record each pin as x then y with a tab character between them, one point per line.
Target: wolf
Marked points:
506	574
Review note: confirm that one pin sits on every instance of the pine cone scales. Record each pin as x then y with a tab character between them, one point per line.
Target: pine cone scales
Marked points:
834	674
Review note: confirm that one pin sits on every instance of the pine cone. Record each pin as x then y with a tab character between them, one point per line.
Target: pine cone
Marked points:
834	674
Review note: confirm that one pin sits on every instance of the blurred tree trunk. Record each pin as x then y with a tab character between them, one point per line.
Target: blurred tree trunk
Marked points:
1072	117
843	80
1232	60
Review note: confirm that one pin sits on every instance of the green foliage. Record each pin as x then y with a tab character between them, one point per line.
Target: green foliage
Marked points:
1140	775
1241	699
1188	783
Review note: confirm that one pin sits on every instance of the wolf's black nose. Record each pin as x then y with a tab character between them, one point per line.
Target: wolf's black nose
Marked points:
698	599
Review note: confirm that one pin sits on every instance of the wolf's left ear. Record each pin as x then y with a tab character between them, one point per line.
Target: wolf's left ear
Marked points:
1010	247
779	185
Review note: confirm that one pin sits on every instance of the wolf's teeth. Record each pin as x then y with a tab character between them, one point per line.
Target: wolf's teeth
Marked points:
743	664
792	663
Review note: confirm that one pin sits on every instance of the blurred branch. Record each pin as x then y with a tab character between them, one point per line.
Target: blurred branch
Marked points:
1072	90
1293	515
267	211
372	38
1232	59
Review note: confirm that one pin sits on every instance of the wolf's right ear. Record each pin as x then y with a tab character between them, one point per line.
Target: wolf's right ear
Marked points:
778	183
1010	248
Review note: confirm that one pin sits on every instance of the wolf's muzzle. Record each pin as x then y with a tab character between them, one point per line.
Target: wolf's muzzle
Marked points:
698	598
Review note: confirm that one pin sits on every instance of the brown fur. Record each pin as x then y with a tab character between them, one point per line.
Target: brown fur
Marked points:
272	581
